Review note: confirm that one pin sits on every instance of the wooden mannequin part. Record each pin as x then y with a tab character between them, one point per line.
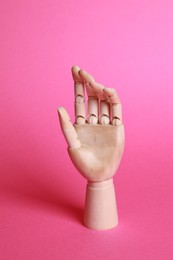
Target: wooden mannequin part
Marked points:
95	145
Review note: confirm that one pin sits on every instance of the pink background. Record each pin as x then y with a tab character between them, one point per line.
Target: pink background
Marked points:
127	44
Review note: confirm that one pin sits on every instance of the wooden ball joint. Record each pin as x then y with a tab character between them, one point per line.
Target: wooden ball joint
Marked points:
95	146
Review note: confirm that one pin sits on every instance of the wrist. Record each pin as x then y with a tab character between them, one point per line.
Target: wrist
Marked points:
100	205
99	185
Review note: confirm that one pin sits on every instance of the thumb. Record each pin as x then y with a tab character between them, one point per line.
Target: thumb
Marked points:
68	129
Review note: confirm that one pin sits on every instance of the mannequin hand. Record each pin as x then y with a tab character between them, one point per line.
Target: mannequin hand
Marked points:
95	143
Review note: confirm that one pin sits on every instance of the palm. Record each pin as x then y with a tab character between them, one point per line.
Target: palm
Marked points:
100	153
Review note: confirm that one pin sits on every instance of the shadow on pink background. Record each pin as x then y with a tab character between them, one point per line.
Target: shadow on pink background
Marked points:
126	45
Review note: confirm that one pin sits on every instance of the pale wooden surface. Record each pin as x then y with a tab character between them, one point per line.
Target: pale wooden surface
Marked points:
95	145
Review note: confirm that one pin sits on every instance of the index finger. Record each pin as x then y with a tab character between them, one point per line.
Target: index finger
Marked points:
80	114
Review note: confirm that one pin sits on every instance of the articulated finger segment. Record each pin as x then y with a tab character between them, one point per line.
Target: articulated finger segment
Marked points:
116	114
71	138
98	89
85	76
79	89
112	95
101	96
68	129
80	110
104	113
80	115
92	110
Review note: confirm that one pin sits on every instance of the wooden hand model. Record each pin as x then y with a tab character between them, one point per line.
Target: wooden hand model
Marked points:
95	146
